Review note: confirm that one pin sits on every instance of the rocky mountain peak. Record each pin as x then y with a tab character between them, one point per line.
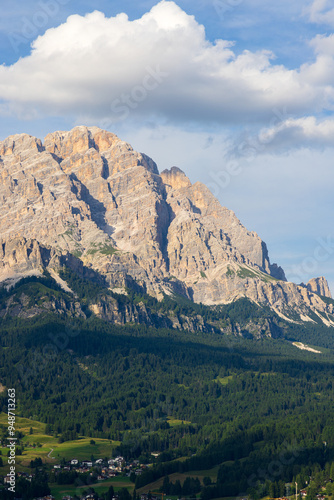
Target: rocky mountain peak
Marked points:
20	145
319	286
87	194
175	178
79	140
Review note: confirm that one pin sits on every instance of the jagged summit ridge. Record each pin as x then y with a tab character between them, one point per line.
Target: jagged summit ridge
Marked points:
89	194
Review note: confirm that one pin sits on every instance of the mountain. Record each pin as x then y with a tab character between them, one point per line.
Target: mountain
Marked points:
94	238
84	199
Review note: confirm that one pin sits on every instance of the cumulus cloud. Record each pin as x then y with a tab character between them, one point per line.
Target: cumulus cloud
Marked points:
302	132
320	13
160	65
320	72
286	134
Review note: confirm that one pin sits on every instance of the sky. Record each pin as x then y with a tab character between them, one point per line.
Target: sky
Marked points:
239	94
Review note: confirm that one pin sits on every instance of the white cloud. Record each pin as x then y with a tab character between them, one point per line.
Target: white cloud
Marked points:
286	133
320	72
96	68
301	132
319	13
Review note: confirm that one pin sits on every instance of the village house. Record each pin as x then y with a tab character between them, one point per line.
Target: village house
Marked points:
26	476
87	464
81	470
144	496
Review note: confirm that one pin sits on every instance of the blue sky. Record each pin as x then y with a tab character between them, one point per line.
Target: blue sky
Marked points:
237	93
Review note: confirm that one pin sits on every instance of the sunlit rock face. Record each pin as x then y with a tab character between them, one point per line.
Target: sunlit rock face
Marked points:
86	195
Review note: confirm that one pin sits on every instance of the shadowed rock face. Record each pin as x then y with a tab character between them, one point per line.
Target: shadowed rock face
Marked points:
87	193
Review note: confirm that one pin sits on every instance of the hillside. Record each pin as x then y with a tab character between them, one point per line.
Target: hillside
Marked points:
200	400
136	310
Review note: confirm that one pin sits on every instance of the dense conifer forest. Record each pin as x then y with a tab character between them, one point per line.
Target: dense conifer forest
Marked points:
260	409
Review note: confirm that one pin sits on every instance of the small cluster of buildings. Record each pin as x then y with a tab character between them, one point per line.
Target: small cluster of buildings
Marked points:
90	496
28	477
105	469
320	496
303	494
144	496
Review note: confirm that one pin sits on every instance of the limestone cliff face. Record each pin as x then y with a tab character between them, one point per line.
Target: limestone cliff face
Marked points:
22	257
319	286
86	195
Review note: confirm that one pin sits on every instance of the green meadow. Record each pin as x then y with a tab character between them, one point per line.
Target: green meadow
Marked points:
201	474
58	491
40	445
173	422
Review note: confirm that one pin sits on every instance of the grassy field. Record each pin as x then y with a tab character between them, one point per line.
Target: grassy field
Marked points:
118	482
83	450
23	424
223	380
47	447
173	422
201	474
